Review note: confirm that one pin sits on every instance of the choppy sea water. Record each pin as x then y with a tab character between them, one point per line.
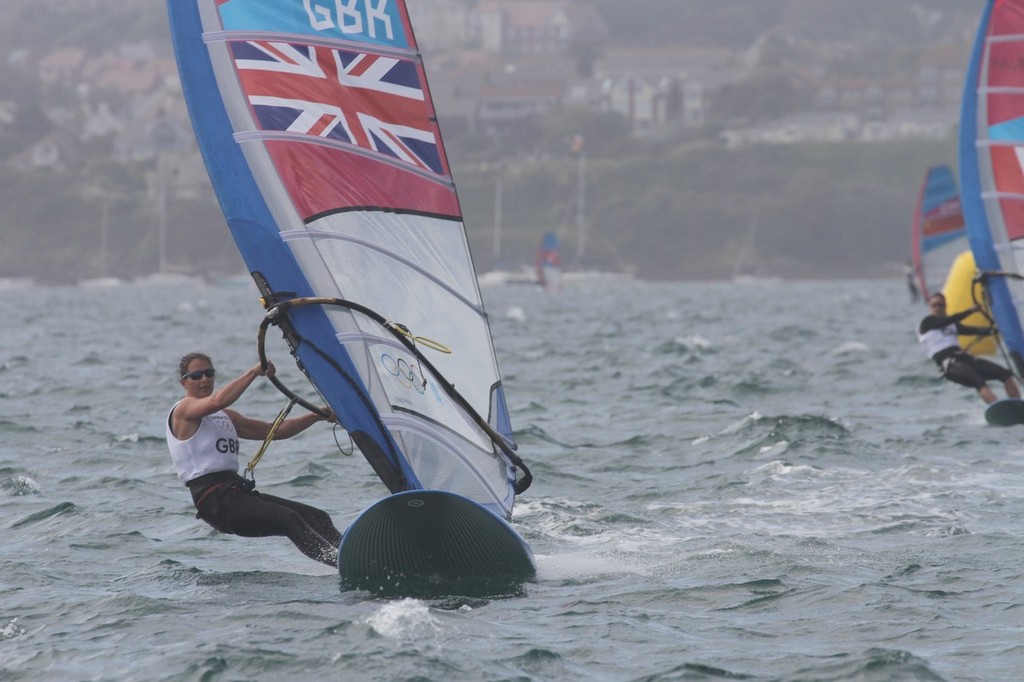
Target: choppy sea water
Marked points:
758	481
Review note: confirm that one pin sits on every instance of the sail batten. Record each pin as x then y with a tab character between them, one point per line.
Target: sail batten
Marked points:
320	137
215	37
297	138
295	235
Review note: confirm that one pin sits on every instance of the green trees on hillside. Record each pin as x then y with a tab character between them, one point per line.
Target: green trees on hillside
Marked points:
688	211
698	211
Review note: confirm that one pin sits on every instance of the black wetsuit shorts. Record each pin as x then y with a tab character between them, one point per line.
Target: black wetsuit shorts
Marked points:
973	372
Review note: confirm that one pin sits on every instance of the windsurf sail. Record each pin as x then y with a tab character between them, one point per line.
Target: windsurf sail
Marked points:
992	164
938	232
319	134
549	262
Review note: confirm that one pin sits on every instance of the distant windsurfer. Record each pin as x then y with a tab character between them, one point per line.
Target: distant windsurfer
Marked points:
908	271
938	334
202	435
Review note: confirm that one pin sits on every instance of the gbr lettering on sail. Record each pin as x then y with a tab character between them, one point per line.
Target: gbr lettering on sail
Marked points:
351	16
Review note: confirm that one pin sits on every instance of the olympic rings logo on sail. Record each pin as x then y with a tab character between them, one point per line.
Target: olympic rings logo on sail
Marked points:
407	375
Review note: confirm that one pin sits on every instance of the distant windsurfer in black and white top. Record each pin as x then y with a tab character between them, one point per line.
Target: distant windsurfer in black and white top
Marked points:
938	334
203	435
909	273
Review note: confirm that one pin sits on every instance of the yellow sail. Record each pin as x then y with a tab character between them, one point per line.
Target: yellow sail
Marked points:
958	298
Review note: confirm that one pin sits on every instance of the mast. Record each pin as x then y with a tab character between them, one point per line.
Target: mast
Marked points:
104	236
581	192
498	196
161	212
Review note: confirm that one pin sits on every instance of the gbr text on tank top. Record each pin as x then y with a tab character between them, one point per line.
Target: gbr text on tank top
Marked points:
213	447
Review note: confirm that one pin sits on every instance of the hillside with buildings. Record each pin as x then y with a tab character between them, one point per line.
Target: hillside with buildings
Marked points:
709	134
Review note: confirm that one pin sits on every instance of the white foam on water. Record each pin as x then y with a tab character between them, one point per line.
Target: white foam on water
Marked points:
583	565
21	485
11	630
402	619
850	348
693	342
515	313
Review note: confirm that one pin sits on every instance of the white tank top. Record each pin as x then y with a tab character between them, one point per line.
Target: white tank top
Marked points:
213	447
936	340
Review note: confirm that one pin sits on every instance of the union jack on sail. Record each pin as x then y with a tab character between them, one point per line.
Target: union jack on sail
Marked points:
375	102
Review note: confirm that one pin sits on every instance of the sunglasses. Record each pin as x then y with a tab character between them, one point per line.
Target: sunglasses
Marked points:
199	374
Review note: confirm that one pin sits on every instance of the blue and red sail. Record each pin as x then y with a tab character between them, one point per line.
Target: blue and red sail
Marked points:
992	164
938	234
549	262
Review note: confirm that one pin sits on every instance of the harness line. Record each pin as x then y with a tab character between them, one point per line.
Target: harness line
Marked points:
251	466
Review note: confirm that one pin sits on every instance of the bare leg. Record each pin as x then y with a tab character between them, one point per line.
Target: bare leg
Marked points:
1012	389
987	395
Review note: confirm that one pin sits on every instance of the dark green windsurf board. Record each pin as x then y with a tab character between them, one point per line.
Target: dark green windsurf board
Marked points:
433	543
1006	412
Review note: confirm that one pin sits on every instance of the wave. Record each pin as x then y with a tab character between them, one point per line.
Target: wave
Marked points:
62	509
757	435
871	665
